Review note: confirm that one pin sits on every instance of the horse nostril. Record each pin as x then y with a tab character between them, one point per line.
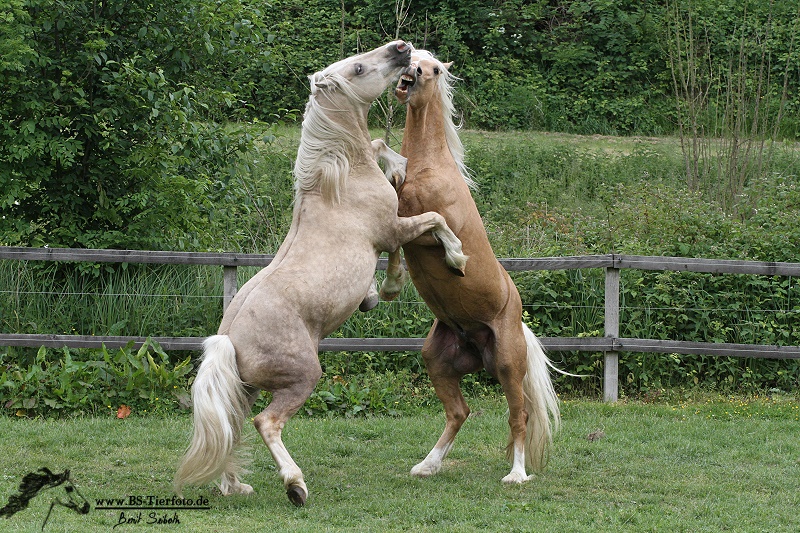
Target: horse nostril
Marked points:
401	46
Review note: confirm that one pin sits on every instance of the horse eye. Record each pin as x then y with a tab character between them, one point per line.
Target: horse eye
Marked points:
359	69
436	70
419	71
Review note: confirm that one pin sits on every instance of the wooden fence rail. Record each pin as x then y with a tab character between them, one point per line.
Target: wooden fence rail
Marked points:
611	344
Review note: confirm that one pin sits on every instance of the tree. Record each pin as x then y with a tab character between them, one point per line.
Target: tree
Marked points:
105	140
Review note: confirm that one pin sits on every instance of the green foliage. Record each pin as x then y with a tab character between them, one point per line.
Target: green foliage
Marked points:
577	66
64	385
105	139
109	111
644	219
368	394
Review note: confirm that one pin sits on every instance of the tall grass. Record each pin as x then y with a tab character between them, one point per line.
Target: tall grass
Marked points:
147	300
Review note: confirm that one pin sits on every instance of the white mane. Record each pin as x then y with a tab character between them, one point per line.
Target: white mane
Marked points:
446	82
327	145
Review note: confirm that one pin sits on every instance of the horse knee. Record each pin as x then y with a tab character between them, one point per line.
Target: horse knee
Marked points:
459	415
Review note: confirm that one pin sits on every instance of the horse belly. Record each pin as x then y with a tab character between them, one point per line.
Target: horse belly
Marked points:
326	293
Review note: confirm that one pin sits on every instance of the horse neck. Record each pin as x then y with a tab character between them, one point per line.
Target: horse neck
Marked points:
353	118
424	137
333	141
356	124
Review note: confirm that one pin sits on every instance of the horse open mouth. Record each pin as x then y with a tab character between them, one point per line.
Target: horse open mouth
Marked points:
401	91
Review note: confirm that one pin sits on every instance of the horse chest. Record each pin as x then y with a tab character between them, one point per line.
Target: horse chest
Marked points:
427	190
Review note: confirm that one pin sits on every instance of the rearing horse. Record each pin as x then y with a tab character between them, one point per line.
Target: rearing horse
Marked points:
478	316
345	215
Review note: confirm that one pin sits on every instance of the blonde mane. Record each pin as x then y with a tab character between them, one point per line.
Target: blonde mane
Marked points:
327	145
446	84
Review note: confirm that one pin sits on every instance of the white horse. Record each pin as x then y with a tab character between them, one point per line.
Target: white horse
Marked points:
345	215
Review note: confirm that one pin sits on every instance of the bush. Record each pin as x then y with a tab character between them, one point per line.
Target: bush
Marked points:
104	142
97	381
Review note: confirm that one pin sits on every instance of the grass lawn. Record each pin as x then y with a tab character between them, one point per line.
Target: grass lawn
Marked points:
714	464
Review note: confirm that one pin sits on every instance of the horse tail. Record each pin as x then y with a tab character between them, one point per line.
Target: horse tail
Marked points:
541	403
220	407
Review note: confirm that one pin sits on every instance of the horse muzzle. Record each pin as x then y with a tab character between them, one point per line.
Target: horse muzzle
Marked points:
400	52
407	80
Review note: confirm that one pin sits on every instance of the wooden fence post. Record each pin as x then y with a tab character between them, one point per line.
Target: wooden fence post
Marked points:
229	285
611	359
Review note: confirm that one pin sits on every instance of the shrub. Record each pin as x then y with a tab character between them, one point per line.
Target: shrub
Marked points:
90	381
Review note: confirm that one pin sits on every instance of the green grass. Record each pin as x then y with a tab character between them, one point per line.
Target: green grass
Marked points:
712	463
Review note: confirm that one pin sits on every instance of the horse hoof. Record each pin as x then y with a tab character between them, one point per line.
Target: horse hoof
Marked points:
457	271
388	296
398	178
296	495
515	478
424	470
245	489
368	303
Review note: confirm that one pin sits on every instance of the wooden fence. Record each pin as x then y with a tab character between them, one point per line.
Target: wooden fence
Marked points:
611	344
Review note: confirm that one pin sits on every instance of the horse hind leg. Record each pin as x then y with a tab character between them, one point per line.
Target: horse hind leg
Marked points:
523	371
440	352
229	482
270	423
221	403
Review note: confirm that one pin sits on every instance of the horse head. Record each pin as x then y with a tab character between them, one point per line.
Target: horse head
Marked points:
426	86
425	78
334	132
362	78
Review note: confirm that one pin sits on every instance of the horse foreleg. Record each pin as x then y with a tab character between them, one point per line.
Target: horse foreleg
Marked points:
394	163
411	228
270	423
396	276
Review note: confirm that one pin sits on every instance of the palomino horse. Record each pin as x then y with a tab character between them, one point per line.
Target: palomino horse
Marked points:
345	215
478	316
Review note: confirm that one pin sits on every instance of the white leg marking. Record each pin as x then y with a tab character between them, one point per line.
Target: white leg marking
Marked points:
517	474
433	462
230	484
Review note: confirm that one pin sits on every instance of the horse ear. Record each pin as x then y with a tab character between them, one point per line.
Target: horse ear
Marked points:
448	65
317	81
